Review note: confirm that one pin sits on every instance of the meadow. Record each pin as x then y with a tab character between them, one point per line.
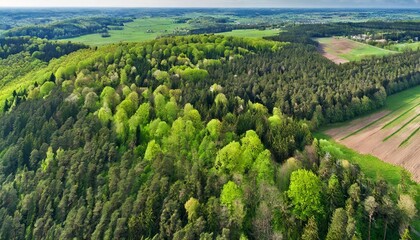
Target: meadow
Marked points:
405	46
142	29
342	50
251	33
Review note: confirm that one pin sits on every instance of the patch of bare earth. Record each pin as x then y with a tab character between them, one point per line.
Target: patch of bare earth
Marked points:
370	140
336	46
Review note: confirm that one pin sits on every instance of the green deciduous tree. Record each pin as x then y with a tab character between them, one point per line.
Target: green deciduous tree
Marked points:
305	193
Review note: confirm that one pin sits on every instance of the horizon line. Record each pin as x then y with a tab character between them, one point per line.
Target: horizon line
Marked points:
205	7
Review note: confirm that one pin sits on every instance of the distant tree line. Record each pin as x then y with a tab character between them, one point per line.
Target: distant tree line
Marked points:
68	28
395	31
39	48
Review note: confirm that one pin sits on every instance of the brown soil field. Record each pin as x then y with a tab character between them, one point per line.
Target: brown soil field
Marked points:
340	46
371	139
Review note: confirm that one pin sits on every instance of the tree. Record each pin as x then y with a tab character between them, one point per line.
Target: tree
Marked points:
194	75
152	150
310	232
232	198
230	193
213	127
251	147
263	167
337	229
335	193
370	206
228	159
46	88
305	193
192	206
407	206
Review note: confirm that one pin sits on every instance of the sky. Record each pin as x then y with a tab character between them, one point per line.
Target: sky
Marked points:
214	3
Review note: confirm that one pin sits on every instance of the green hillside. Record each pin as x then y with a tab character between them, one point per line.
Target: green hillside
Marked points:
195	137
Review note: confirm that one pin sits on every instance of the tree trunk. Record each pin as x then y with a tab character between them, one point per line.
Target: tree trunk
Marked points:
370	221
385	227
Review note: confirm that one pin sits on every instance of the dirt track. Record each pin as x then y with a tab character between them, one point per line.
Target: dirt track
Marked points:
371	139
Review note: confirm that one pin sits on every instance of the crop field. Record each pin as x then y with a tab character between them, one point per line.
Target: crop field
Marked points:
342	50
391	134
137	31
251	33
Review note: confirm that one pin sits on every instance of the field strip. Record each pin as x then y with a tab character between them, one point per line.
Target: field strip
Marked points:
400	116
379	119
403	126
409	137
365	127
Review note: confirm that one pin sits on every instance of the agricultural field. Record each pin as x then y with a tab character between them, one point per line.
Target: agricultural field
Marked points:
342	50
251	33
139	30
391	134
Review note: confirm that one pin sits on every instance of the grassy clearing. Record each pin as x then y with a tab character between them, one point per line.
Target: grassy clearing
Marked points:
251	33
372	166
405	46
364	51
139	30
350	50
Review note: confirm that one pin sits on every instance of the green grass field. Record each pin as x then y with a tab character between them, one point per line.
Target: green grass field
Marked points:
251	33
405	46
372	166
137	31
350	50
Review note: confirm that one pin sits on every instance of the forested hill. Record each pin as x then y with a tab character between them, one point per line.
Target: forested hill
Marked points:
199	137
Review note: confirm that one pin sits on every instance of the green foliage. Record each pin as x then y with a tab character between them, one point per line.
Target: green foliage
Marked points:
337	229
192	207
231	197
105	115
263	167
194	75
46	88
305	193
152	150
310	232
214	127
228	159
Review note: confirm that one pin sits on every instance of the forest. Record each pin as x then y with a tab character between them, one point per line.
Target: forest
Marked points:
68	28
195	137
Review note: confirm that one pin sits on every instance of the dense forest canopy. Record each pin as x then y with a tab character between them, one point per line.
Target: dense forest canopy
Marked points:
68	28
198	137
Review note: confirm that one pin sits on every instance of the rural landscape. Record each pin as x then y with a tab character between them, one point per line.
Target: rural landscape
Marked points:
211	120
